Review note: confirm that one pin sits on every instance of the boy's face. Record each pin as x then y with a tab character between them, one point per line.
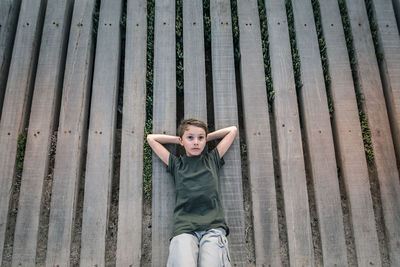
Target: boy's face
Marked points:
194	140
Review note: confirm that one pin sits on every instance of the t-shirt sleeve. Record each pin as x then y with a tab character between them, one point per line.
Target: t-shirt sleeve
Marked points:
171	163
214	156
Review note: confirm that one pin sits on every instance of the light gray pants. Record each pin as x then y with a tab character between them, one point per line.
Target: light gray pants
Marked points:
203	249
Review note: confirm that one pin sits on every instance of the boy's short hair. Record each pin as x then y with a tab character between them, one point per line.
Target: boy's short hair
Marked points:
183	126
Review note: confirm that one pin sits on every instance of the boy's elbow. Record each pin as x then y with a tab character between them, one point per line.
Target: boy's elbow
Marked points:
235	130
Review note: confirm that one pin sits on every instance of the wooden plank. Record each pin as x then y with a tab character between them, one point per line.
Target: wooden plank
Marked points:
129	243
72	132
164	121
100	149
194	64
9	11
319	139
389	45
287	121
258	137
370	86
17	99
226	114
347	134
44	112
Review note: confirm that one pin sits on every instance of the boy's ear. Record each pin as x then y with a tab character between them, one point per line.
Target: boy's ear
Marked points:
180	141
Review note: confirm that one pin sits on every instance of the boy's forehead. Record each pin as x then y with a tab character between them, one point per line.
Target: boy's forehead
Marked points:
191	129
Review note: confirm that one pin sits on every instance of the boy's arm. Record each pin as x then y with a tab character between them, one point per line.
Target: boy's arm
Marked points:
156	142
228	136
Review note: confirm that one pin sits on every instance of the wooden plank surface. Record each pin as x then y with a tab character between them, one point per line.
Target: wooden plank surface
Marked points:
17	99
318	136
9	11
164	121
100	149
72	132
195	102
287	121
389	45
44	113
129	242
226	114
348	137
258	137
370	86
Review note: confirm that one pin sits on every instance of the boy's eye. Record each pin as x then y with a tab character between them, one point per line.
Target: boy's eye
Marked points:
190	137
201	137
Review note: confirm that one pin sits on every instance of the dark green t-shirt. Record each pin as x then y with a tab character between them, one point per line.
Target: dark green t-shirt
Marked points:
197	204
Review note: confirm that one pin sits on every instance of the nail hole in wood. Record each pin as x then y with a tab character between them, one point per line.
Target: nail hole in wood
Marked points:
279	23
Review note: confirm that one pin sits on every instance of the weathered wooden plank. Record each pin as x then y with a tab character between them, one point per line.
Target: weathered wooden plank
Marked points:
17	99
396	7
287	121
226	114
44	112
164	121
72	132
319	139
195	103
258	137
100	149
129	243
9	11
389	45
347	134
370	86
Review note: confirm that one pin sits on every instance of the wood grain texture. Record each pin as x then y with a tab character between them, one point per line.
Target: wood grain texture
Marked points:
195	102
129	242
370	87
318	136
258	137
348	137
100	149
287	122
44	112
17	99
226	114
72	134
9	11
164	121
389	45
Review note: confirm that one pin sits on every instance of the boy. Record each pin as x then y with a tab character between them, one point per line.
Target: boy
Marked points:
199	234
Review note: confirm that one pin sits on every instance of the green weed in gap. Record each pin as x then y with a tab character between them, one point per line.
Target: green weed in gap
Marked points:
374	29
323	53
147	153
366	133
293	45
179	47
95	18
147	164
235	30
265	50
21	151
